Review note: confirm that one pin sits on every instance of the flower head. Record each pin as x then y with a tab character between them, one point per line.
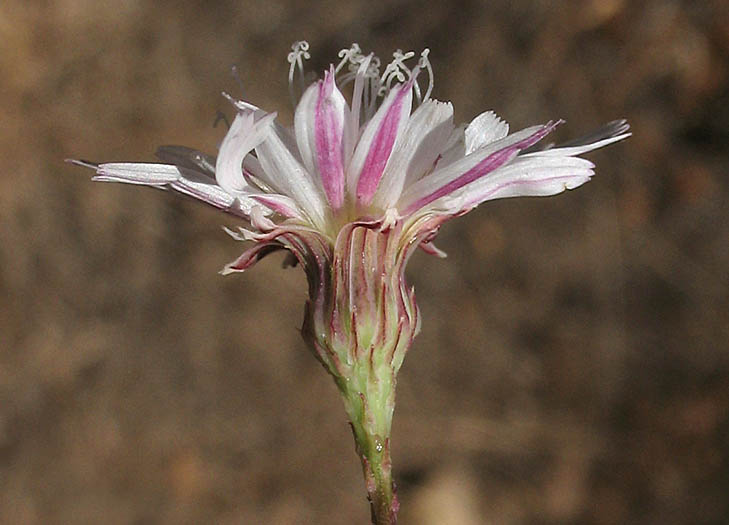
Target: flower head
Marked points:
385	154
370	170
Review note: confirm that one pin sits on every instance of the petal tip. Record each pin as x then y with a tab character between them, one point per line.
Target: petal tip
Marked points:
82	163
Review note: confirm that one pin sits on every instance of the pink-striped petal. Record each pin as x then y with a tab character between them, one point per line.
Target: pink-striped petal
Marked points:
424	138
528	176
471	168
377	142
319	123
280	204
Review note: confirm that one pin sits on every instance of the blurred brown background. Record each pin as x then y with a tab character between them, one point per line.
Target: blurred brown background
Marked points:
573	365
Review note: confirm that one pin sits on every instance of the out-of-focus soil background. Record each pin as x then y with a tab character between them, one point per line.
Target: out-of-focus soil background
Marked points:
573	365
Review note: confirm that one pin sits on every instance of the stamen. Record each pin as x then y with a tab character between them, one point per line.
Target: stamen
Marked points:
424	63
413	81
372	70
299	53
359	90
371	96
353	56
395	70
345	79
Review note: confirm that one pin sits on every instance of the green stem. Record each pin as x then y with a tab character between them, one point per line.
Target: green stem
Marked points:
381	491
371	424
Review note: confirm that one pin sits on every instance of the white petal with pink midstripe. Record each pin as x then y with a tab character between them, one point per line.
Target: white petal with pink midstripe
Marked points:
424	138
319	123
470	168
377	142
524	177
281	204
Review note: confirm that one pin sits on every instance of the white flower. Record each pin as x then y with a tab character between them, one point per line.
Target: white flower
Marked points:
351	191
374	159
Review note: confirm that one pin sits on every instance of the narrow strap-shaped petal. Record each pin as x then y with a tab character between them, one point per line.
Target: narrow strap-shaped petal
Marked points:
188	182
319	122
483	130
377	142
143	173
526	176
471	168
424	138
606	134
290	178
612	132
244	135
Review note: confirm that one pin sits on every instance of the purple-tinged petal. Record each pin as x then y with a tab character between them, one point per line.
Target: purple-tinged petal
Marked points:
432	249
302	241
579	149
251	256
471	168
319	123
424	138
280	204
483	130
329	126
528	176
244	135
377	142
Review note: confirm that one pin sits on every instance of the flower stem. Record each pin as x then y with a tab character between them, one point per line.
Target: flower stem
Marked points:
381	491
359	322
370	420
